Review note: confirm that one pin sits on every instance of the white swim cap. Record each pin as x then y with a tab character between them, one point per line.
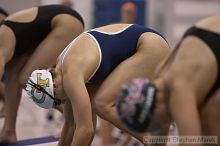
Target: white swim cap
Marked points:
40	89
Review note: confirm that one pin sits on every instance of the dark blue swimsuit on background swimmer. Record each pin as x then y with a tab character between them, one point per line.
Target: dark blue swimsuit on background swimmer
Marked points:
30	34
116	47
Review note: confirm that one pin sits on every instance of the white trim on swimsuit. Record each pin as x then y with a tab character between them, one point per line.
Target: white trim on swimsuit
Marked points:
100	55
66	50
112	33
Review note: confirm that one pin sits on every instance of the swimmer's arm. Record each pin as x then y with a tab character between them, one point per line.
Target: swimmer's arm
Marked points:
68	127
184	110
74	86
66	135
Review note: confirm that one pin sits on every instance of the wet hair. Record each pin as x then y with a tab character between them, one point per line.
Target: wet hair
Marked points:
2	11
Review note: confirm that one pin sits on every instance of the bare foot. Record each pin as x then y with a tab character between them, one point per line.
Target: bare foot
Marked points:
8	137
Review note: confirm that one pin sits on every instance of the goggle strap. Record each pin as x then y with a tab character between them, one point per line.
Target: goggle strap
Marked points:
40	88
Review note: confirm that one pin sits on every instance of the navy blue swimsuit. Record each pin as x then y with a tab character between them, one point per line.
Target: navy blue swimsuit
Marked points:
116	47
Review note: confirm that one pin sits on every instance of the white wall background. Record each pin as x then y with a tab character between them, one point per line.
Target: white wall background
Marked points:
173	17
85	7
15	5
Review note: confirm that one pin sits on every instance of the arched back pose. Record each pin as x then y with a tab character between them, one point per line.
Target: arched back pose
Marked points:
31	39
184	86
106	58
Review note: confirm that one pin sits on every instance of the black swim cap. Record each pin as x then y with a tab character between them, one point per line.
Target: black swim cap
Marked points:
135	104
